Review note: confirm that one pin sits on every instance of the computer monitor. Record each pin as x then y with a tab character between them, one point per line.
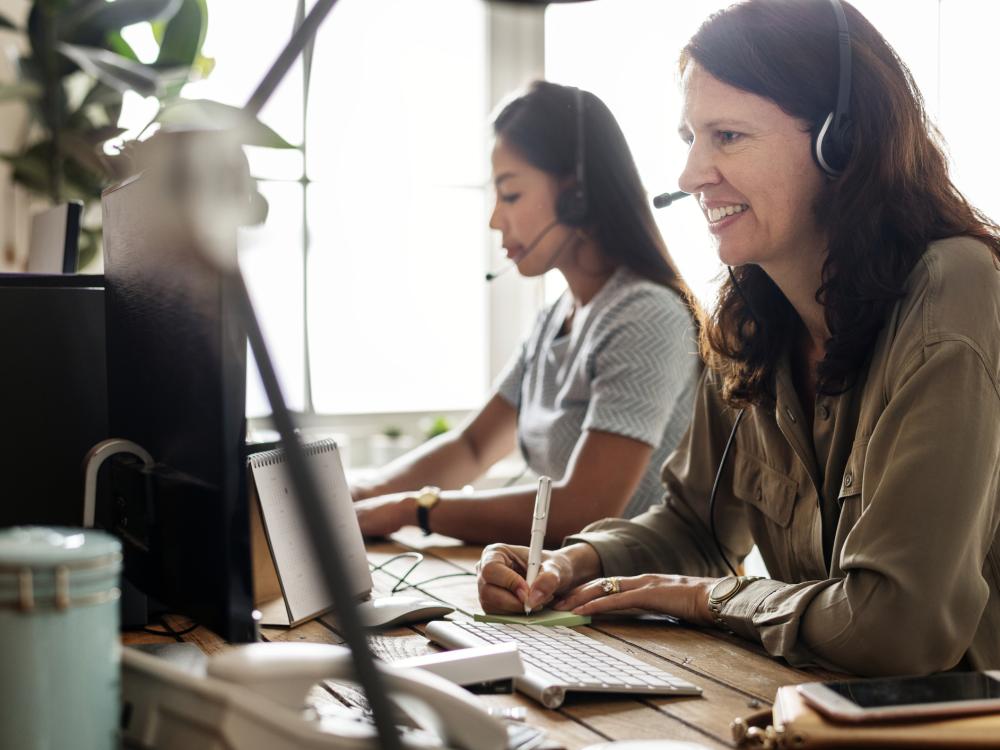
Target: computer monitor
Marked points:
176	370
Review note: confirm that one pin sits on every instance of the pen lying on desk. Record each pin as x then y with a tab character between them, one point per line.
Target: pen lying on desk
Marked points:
539	520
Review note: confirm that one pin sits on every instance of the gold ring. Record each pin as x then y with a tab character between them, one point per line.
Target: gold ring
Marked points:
611	585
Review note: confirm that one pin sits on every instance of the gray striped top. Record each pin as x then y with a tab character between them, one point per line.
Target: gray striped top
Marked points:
628	366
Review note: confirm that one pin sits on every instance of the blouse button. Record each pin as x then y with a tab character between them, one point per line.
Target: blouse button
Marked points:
791	416
848	480
824	412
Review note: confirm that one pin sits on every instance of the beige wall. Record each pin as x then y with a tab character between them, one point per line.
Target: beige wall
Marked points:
14	211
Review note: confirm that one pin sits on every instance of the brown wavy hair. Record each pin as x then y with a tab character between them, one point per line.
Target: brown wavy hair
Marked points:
894	196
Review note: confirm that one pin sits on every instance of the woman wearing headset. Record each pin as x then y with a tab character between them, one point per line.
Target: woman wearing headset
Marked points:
601	391
853	372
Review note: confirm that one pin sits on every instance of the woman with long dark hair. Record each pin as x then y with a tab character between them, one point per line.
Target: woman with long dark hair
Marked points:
602	389
848	423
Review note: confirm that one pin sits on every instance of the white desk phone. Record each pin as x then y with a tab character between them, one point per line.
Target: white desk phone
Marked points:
253	697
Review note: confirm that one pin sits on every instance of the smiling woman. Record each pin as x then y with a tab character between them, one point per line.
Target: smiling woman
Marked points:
751	165
856	341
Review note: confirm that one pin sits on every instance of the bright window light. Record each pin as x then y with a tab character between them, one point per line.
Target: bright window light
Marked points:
397	151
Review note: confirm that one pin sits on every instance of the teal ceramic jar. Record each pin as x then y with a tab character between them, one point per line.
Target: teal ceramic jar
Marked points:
59	646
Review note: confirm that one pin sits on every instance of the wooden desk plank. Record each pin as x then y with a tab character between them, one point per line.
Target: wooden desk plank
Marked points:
313	631
142	638
635	720
712	654
204	638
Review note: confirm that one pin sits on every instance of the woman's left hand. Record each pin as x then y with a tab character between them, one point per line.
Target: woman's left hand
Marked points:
684	597
380	516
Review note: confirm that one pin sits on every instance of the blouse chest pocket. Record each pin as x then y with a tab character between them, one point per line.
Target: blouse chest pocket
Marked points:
766	489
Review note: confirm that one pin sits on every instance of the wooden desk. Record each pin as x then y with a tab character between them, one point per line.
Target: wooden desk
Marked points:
736	678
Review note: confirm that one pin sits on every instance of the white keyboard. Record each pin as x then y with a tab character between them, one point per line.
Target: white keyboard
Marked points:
557	659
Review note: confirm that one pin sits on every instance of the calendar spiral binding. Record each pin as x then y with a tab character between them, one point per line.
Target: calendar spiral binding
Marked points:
277	455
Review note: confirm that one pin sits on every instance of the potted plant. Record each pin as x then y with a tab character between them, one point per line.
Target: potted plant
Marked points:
434	427
388	444
74	77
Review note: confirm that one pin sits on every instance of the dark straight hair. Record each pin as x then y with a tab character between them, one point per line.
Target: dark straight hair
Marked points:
894	197
541	125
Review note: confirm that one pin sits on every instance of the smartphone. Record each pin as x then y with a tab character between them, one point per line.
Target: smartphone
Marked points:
878	699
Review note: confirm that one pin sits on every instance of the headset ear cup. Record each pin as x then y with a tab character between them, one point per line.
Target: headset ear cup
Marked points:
831	145
571	207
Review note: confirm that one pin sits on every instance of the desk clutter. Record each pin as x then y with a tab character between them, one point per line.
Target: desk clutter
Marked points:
186	687
793	723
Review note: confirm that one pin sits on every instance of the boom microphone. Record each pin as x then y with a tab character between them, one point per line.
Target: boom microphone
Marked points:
665	199
513	263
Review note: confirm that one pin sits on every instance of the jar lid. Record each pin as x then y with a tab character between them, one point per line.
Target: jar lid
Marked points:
46	568
48	546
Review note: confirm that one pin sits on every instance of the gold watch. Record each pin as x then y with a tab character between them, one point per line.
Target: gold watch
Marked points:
724	590
427	498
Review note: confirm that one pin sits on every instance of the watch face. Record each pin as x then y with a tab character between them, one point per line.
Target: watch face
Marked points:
428	497
724	589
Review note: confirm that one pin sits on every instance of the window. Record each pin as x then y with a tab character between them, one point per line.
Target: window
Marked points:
396	156
377	232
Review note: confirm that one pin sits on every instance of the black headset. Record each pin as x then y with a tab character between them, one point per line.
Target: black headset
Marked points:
571	204
832	142
831	150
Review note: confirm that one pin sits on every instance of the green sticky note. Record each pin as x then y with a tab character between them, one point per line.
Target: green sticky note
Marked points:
542	617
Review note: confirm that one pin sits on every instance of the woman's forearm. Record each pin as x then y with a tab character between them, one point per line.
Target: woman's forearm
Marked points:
504	515
446	461
450	460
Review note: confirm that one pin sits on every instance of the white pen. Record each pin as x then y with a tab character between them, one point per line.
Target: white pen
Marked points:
539	521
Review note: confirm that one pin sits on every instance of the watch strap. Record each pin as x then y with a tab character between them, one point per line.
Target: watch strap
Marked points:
424	519
427	498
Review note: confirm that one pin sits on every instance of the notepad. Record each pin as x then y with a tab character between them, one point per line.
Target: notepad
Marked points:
549	617
288	583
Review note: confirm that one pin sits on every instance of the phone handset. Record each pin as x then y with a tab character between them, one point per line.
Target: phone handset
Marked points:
252	697
284	672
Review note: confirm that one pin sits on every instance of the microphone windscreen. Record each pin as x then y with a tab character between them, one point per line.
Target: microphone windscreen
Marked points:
665	199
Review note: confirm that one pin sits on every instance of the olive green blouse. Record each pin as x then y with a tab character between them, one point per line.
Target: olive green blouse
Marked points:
900	474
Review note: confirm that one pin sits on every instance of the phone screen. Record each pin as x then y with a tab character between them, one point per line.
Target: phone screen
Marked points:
950	687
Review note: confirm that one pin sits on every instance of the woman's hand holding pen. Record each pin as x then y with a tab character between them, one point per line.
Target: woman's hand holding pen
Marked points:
502	568
570	580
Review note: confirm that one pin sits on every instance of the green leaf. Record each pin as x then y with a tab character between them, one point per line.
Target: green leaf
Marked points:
204	66
100	107
116	71
31	169
101	93
206	114
115	42
99	17
90	246
24	90
183	35
97	136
